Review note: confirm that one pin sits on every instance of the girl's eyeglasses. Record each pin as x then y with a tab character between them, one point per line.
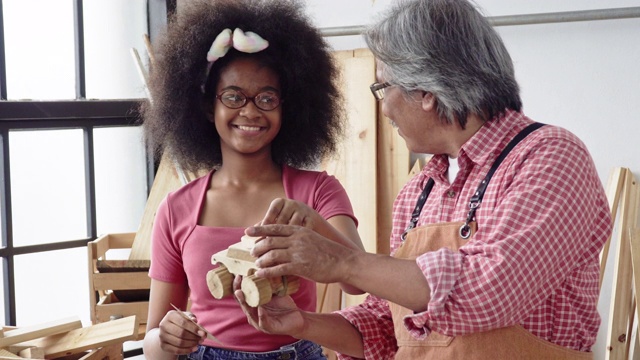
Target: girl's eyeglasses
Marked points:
235	99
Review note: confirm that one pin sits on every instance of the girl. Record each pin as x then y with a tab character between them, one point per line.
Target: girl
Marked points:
245	91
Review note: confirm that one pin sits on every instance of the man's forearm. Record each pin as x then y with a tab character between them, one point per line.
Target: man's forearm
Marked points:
334	332
397	280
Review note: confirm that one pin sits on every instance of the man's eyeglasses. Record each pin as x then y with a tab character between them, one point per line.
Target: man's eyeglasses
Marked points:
235	99
377	89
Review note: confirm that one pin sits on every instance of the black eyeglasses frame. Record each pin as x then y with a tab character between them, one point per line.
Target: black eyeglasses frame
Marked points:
247	98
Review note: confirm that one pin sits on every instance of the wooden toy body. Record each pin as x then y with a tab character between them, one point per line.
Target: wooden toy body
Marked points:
237	260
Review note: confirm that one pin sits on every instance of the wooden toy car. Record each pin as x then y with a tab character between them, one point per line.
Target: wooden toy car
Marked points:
237	260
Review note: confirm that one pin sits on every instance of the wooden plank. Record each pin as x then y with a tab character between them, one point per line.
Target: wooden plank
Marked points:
142	70
122	281
101	245
111	266
618	335
615	184
112	352
89	338
106	310
7	355
385	190
635	262
355	163
37	331
147	44
31	352
329	300
166	180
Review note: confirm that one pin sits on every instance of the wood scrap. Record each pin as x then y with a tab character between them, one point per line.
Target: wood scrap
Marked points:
622	307
88	338
37	331
147	44
7	355
615	184
108	266
166	180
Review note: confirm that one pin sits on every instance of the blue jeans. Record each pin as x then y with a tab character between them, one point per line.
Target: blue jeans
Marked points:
300	350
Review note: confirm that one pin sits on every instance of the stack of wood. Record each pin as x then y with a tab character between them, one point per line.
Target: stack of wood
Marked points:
66	339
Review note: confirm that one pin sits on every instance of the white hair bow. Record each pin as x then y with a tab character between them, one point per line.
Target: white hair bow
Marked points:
248	42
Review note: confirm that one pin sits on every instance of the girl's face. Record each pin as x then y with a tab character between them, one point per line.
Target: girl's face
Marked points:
248	129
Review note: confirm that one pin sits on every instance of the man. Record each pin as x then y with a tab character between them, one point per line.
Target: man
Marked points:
495	260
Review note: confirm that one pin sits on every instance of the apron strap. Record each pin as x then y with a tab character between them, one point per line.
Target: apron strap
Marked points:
476	199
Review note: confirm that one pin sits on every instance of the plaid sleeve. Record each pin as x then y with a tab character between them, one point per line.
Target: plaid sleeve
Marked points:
373	320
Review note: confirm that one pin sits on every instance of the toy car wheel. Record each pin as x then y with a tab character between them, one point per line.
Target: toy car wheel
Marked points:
220	282
257	291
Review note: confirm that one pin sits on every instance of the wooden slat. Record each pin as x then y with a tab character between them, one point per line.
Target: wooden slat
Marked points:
111	266
355	164
104	243
104	312
621	307
613	191
36	331
635	261
166	180
7	355
122	281
385	191
111	352
89	338
32	352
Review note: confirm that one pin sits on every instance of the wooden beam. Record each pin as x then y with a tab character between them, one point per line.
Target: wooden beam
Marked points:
635	261
166	180
37	331
356	161
89	338
622	304
615	184
8	355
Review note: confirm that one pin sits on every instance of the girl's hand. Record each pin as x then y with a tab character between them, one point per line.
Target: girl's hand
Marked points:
290	212
178	335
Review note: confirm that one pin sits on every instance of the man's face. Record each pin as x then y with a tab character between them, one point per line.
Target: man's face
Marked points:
414	115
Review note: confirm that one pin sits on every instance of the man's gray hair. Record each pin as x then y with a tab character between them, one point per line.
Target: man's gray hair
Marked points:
447	48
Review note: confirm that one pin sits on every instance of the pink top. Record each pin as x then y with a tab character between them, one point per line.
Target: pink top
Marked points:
535	258
181	252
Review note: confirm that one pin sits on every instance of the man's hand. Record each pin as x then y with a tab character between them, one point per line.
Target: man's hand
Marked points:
279	316
296	250
289	212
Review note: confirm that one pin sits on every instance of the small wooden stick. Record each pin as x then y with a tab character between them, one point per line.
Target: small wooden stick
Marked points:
187	317
147	43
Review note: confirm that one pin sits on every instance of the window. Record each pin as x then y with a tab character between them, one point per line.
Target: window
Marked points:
72	159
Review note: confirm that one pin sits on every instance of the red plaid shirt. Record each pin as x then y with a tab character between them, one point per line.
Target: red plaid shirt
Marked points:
535	258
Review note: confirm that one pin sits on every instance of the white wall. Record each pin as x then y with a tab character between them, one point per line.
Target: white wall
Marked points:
583	76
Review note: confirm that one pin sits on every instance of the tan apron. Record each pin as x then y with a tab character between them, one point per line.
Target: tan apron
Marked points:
506	343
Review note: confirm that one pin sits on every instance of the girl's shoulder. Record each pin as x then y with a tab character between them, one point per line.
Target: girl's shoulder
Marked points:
190	193
306	176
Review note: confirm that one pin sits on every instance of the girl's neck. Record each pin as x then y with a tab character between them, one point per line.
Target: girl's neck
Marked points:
247	170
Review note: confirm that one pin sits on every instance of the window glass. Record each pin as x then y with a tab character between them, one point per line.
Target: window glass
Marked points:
39	48
47	186
52	280
111	29
121	179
